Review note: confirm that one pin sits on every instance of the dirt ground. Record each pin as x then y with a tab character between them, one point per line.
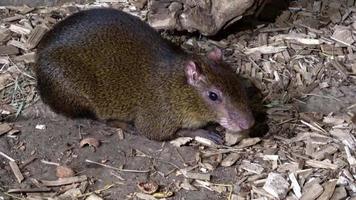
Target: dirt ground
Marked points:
303	146
59	142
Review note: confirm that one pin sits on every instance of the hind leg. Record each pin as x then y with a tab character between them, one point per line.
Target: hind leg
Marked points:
125	126
62	94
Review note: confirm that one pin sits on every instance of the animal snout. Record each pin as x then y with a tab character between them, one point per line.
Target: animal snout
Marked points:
246	123
243	120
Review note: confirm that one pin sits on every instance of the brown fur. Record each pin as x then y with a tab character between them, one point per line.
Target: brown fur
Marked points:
107	65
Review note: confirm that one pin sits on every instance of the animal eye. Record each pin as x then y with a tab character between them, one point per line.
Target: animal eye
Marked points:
213	96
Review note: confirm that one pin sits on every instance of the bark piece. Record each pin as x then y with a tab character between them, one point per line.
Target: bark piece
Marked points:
16	170
8	50
329	188
276	185
312	192
208	17
35	36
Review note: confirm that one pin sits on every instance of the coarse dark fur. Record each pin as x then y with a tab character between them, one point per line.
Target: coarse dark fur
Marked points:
107	65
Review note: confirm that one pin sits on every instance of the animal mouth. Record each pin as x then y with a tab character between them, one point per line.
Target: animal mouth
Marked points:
229	125
236	125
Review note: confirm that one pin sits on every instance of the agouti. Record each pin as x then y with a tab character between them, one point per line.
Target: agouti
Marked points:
108	65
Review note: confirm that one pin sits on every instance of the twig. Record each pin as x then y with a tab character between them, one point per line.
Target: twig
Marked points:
25	163
29	190
118	169
6	156
117	176
97	191
64	181
322	96
49	163
13	196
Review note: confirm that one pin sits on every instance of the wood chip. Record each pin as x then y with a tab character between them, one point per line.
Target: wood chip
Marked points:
35	36
262	192
178	142
8	50
186	185
345	137
193	175
343	35
316	6
312	192
295	185
339	67
205	141
19	29
339	193
5	35
27	58
329	188
231	138
333	120
64	181
289	167
328	150
321	164
300	38
230	159
18	44
25	9
4	128
265	49
276	185
13	18
93	197
251	167
331	50
16	170
350	158
247	142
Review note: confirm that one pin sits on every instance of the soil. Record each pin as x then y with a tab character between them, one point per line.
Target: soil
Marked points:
59	143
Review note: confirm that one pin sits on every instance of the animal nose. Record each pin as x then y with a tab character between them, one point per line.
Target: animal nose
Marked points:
244	120
246	123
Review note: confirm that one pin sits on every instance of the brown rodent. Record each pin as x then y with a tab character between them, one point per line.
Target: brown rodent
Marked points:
107	65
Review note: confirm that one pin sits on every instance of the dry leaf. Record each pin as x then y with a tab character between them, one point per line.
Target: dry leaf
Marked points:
89	141
161	195
4	128
148	187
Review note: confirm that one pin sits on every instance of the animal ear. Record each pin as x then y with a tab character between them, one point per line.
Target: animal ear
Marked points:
215	55
193	73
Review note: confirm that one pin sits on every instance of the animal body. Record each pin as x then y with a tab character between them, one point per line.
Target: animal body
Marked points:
108	65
